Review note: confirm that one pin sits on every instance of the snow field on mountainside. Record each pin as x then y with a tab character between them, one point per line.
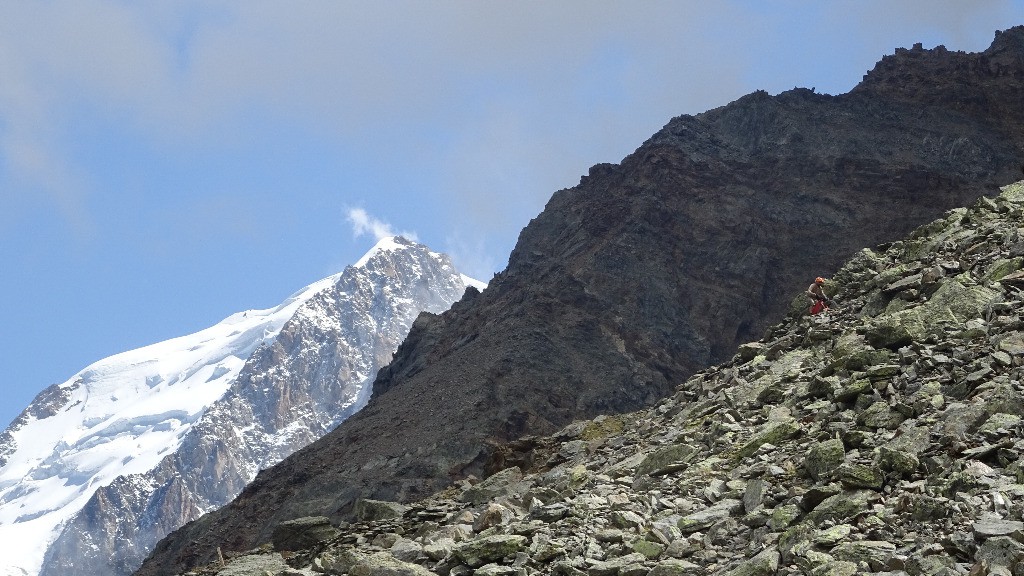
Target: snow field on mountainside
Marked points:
122	415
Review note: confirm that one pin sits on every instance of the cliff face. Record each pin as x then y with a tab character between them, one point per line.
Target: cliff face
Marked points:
651	270
881	437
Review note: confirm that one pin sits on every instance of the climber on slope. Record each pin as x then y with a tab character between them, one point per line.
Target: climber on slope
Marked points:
819	301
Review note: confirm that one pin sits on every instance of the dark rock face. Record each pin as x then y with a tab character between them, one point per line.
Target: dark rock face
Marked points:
766	464
650	270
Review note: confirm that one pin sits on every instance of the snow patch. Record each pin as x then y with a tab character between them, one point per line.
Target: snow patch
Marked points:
466	280
134	407
387	244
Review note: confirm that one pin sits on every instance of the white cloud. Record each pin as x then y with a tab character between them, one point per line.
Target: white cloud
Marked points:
363	223
509	101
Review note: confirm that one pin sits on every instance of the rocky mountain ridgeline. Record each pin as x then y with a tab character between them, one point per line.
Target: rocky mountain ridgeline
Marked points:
649	271
882	437
314	374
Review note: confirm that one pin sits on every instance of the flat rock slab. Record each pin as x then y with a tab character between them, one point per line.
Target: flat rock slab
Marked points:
994	527
705	518
302	533
254	564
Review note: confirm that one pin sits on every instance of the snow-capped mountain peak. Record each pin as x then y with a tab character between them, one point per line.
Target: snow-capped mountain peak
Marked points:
385	244
125	415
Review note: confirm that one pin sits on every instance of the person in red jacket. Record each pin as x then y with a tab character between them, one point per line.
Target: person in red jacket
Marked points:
819	301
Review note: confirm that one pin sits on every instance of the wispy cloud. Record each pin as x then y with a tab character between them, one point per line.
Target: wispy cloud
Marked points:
363	223
506	103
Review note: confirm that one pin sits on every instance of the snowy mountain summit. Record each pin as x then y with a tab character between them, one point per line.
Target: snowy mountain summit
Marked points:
97	469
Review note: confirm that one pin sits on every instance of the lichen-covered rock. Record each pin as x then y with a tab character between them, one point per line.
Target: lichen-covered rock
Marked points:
705	518
494	548
833	535
852	389
666	460
627	519
629	563
837	568
765	563
881	415
1002	551
339	560
964	302
675	568
495	570
650	550
898	461
920	565
384	564
254	564
503	483
876	555
783	516
841	507
773	433
824	457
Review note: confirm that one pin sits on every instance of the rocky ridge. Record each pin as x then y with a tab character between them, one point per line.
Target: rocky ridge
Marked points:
649	271
883	437
290	391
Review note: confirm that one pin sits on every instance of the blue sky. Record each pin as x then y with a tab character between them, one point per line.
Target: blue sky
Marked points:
165	164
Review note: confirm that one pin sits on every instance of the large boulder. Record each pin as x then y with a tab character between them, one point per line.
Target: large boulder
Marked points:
303	533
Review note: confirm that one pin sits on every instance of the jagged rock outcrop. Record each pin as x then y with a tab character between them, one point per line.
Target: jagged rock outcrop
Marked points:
820	450
291	391
651	270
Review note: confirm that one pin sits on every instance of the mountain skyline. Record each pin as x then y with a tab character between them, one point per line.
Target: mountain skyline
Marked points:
176	162
120	418
648	271
835	444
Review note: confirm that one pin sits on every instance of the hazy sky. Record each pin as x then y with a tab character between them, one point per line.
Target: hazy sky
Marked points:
165	164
